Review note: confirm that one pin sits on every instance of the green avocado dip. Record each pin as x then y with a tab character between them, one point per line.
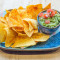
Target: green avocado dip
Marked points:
50	18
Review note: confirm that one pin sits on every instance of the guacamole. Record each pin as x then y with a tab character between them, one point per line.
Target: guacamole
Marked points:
49	19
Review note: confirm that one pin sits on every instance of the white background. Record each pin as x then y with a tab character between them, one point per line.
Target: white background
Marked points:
10	4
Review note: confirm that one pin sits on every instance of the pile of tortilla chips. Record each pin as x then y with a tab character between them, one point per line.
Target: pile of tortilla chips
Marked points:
18	28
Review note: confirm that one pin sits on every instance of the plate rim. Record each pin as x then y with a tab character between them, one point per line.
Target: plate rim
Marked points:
44	49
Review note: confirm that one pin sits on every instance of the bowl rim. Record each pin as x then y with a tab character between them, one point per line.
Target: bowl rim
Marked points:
44	26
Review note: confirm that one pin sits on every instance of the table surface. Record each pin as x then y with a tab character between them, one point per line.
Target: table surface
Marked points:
50	56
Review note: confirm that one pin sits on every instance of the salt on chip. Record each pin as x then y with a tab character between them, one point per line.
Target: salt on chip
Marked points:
10	37
23	42
2	33
47	7
40	37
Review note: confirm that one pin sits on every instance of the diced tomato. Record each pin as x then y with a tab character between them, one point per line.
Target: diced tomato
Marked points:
52	14
55	12
47	21
41	14
46	15
49	10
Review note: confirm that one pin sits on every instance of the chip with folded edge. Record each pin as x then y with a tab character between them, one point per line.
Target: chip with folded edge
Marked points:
26	29
32	22
23	42
30	25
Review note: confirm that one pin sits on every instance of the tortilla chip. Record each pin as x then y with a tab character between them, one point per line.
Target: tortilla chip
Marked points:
14	18
26	29
10	37
23	42
7	13
14	22
40	37
22	13
3	20
34	10
32	22
21	34
20	21
36	31
29	26
20	8
17	29
2	33
47	7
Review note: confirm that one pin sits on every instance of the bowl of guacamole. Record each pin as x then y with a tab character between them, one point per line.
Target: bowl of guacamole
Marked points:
48	21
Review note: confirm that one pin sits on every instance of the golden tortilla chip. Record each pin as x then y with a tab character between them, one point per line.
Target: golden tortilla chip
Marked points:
34	10
21	34
47	7
36	31
7	13
23	42
40	37
26	29
20	8
14	18
2	33
22	13
10	37
29	26
20	21
17	29
3	20
32	22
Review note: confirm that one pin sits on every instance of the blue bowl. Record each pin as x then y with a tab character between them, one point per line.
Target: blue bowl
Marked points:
44	29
